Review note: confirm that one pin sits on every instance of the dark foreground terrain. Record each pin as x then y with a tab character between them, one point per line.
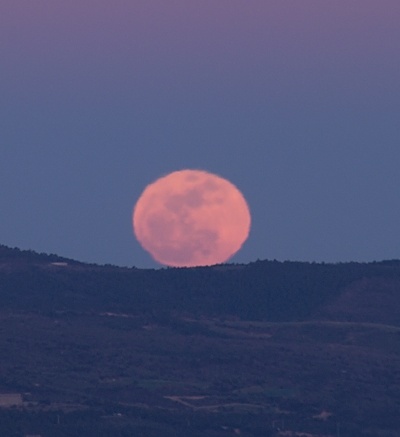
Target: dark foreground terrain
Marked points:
258	350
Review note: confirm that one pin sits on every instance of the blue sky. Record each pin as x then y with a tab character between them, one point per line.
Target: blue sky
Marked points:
297	103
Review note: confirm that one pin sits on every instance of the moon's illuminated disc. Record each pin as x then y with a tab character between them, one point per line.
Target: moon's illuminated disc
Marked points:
191	218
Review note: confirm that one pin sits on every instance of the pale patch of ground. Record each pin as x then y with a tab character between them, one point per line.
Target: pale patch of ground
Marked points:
300	434
183	400
11	399
323	415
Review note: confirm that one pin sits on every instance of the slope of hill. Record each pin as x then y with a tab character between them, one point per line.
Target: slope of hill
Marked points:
258	350
264	290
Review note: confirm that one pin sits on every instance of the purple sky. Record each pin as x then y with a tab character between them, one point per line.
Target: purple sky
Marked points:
296	102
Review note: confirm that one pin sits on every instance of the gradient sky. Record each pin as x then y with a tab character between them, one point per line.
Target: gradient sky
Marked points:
296	102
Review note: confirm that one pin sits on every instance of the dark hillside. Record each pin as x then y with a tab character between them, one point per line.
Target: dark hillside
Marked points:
374	299
268	349
264	290
18	257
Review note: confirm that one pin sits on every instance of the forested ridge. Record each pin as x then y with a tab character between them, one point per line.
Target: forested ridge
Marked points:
262	290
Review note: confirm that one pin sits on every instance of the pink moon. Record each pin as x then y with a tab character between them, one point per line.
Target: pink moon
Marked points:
191	218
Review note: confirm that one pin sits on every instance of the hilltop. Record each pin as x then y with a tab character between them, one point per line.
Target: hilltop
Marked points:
263	290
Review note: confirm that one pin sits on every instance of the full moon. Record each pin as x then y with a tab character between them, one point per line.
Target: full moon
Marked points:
191	218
